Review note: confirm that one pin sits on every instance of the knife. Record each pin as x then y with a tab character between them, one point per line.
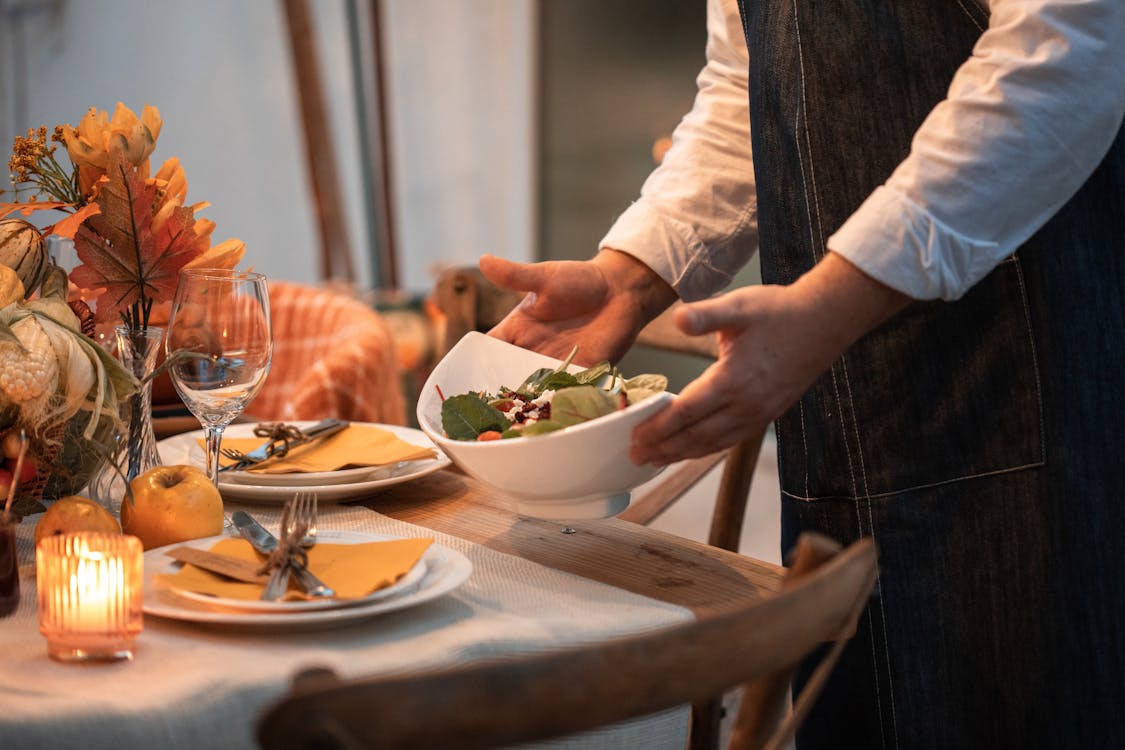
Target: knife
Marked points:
268	449
264	542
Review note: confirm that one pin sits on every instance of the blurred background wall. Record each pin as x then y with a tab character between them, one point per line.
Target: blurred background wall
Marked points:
459	77
515	127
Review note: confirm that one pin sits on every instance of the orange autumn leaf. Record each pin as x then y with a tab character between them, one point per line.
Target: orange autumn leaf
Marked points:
27	209
133	249
226	254
68	227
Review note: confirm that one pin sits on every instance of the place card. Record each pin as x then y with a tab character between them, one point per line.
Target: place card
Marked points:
225	565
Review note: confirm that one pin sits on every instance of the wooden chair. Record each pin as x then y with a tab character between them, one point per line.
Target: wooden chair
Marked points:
469	302
529	698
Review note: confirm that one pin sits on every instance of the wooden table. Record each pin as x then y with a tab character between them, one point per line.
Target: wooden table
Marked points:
619	553
645	561
127	705
707	580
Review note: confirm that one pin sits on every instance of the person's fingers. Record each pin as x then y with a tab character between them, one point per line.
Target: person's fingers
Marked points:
684	411
519	277
717	431
557	290
708	316
700	400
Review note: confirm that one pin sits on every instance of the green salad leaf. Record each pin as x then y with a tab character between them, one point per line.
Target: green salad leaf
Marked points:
556	381
591	375
639	388
581	404
578	397
539	427
530	385
466	416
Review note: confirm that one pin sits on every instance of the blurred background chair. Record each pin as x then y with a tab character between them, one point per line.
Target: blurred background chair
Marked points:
466	301
528	698
334	356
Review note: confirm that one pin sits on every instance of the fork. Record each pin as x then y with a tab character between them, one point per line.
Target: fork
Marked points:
232	453
278	582
279	447
305	514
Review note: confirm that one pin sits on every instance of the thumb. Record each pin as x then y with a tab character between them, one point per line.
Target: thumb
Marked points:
709	316
519	277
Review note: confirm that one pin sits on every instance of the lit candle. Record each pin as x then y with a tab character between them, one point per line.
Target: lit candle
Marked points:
89	587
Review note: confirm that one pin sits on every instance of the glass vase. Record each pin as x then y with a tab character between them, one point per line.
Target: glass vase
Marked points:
135	451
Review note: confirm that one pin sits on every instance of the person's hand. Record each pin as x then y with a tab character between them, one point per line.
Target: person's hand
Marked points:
599	305
774	341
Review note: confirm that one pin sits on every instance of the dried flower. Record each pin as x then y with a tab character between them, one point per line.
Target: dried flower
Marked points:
33	165
132	232
97	139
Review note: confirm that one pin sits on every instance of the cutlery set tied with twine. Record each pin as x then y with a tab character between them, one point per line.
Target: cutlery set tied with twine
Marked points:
280	438
259	565
287	554
326	446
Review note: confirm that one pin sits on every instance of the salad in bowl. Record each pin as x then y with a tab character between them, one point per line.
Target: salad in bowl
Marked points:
548	399
552	436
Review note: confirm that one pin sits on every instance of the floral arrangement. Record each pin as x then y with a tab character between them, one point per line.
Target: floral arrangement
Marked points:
133	233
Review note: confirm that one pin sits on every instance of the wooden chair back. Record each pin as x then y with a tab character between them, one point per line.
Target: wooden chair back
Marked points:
529	698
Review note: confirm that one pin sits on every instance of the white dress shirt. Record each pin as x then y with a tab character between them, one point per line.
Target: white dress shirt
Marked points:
1026	119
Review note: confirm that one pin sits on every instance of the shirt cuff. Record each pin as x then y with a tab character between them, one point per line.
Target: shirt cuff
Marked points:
659	241
895	241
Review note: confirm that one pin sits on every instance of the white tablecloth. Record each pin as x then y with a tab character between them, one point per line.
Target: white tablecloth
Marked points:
191	686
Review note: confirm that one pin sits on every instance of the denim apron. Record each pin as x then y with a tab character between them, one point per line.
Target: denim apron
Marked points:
981	443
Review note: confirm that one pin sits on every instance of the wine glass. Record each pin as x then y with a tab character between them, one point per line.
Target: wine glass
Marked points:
219	344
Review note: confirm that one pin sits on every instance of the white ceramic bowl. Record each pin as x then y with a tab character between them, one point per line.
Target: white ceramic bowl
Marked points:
583	471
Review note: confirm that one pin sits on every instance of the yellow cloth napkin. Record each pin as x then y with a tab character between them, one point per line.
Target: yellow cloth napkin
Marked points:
355	445
353	570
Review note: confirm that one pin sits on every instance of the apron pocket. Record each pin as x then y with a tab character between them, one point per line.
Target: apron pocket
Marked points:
946	391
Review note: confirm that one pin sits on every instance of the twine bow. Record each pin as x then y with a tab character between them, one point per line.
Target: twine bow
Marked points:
286	434
288	549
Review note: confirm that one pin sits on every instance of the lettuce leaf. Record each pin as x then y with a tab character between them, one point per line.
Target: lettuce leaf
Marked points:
466	416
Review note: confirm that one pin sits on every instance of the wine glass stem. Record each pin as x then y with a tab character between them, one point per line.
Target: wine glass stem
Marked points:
214	439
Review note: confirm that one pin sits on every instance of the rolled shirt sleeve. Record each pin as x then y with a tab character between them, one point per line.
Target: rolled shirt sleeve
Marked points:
1027	118
695	222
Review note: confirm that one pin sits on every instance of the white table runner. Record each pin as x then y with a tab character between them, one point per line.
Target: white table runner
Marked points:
191	686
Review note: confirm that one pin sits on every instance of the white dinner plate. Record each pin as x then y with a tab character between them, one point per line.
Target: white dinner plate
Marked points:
334	486
445	570
305	478
408	582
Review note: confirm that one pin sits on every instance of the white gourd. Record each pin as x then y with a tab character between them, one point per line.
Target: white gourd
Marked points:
32	370
77	375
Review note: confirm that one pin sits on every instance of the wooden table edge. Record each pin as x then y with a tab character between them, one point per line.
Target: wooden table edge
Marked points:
707	580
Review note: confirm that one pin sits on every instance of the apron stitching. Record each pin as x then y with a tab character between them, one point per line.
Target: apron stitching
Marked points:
859	521
970	15
797	119
918	487
813	236
1034	358
871	526
804	443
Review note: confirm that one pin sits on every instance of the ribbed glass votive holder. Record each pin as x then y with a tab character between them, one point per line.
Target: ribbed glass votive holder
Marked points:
89	587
